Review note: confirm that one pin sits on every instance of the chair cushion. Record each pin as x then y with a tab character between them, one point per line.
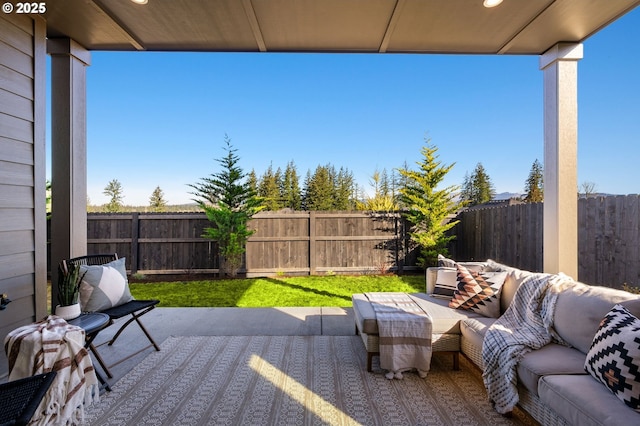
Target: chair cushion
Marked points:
104	286
614	356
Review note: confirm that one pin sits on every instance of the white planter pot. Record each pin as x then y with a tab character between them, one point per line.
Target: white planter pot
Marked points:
68	312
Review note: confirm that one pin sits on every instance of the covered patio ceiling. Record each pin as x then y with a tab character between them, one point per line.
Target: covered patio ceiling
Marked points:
372	26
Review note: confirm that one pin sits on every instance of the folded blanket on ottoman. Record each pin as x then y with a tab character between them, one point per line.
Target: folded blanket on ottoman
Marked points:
54	345
405	333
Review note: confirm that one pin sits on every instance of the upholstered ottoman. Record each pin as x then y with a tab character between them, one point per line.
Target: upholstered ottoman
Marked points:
445	324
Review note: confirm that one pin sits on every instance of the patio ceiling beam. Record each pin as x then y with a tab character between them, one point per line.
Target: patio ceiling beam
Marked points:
393	21
69	61
128	33
255	25
560	212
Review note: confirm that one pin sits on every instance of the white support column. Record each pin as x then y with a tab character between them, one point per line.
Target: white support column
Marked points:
560	242
68	152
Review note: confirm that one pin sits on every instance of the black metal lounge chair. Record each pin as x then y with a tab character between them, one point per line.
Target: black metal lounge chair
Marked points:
135	308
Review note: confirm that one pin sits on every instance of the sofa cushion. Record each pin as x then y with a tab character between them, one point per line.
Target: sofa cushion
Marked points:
443	319
549	359
478	292
582	400
364	314
591	303
614	357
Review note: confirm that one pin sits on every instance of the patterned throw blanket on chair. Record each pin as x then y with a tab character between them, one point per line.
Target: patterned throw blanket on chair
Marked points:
527	324
54	345
405	333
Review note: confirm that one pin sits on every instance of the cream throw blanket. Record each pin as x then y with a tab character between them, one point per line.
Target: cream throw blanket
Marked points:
527	324
54	345
405	333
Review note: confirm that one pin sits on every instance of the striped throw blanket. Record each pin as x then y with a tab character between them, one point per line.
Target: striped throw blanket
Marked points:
54	345
405	333
527	324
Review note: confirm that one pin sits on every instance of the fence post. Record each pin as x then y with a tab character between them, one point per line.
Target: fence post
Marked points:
135	233
312	243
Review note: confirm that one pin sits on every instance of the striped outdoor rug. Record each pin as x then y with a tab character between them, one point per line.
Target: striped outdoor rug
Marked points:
288	380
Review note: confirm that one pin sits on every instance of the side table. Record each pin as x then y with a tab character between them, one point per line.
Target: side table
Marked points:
92	323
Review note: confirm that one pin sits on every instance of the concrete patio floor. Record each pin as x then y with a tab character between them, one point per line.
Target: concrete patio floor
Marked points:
164	322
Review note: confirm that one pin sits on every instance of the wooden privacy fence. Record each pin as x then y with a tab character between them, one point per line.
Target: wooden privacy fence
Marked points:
284	243
608	238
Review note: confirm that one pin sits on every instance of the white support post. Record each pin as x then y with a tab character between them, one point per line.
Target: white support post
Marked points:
560	241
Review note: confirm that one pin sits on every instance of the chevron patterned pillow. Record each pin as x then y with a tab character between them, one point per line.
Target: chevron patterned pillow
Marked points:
478	292
614	357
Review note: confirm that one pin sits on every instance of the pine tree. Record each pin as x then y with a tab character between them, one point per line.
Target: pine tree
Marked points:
291	188
477	188
269	189
344	185
114	190
157	201
319	189
534	187
229	203
428	207
252	181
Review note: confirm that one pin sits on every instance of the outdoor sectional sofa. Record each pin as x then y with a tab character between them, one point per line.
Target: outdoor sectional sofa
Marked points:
552	382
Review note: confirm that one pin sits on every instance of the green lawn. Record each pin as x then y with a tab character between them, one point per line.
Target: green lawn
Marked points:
270	292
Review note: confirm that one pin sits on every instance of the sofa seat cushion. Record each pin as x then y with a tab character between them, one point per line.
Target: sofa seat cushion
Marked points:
473	331
550	359
443	319
582	400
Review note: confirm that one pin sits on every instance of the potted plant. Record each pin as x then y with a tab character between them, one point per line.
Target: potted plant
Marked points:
69	279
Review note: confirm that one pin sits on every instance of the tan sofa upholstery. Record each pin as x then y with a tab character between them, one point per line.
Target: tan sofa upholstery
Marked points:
552	382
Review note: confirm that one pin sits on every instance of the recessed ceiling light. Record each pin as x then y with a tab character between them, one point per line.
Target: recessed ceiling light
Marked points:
491	3
140	1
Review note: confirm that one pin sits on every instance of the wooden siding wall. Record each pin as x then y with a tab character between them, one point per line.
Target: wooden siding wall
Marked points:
22	172
289	243
608	238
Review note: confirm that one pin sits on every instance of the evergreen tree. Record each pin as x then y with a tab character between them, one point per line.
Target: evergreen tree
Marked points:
269	189
229	203
291	188
534	187
344	185
157	201
428	207
319	190
113	190
477	188
385	185
252	181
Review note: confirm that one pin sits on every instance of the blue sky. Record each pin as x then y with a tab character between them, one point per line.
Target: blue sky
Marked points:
159	119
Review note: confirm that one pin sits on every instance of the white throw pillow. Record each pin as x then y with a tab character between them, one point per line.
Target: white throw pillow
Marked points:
104	286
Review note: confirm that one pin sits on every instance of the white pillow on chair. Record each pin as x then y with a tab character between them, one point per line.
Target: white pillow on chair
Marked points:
104	286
